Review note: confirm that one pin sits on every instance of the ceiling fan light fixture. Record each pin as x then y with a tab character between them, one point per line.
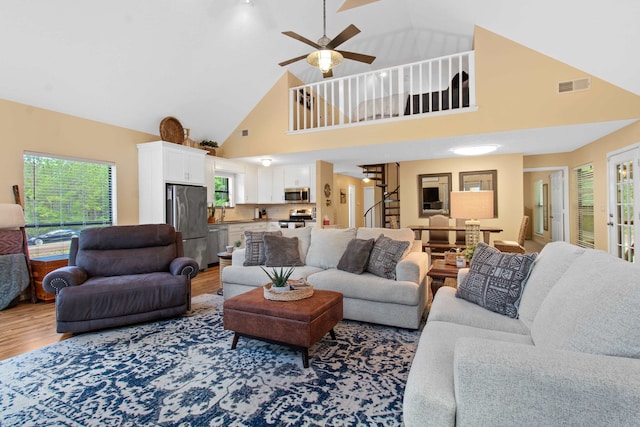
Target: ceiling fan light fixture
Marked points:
325	59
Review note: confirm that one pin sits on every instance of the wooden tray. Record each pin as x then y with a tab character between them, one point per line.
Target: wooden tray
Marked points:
292	295
171	130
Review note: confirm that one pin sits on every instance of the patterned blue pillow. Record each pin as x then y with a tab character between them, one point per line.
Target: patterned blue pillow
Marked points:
385	255
496	279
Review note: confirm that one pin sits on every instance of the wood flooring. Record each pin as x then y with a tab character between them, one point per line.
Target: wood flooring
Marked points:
28	326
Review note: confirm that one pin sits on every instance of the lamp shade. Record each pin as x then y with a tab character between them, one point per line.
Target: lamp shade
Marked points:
324	59
472	204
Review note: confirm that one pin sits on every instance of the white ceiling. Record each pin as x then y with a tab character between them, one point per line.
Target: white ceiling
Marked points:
208	62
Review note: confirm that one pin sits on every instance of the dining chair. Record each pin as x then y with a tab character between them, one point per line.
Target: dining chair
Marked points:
461	235
514	246
438	242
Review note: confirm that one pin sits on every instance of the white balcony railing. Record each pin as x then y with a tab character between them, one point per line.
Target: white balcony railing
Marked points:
427	87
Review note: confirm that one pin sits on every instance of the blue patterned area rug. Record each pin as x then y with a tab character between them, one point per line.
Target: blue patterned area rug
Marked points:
183	372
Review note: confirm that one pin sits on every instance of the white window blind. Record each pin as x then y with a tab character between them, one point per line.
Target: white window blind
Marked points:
63	193
584	208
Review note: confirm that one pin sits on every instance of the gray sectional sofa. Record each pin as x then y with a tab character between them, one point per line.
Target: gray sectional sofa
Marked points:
572	357
368	297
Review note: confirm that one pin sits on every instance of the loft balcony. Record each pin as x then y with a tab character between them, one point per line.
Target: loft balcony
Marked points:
437	86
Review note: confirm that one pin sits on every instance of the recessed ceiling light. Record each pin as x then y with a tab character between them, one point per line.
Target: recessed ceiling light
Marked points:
266	162
474	150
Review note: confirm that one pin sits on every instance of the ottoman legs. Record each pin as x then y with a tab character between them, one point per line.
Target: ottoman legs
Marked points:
305	350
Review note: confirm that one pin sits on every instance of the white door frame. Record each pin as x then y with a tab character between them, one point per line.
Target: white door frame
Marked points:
565	188
351	197
632	152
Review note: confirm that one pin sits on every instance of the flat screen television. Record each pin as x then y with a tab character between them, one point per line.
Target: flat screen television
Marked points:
430	194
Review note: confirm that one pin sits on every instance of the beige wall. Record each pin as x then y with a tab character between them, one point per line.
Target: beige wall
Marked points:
342	183
595	153
510	188
25	128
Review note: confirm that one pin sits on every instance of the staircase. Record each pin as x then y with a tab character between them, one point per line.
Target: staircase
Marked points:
386	177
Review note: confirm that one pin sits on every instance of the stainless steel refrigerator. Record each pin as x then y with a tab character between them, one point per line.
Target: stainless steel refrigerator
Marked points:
187	212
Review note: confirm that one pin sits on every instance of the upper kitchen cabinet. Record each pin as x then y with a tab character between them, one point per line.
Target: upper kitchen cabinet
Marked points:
249	183
297	176
160	163
182	165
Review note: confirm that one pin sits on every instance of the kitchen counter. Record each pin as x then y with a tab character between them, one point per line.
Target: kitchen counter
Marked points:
247	221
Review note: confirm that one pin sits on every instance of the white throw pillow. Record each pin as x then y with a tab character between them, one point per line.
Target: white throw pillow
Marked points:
328	245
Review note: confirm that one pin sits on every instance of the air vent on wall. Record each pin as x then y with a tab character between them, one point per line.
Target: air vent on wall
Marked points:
574	85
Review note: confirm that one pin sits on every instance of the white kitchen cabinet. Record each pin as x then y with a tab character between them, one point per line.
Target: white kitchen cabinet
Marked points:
250	184
297	176
265	185
183	165
161	163
278	187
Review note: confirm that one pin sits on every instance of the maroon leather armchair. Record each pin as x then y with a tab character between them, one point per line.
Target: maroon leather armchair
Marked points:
122	275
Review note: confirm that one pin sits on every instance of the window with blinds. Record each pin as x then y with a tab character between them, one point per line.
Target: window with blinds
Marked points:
584	205
63	196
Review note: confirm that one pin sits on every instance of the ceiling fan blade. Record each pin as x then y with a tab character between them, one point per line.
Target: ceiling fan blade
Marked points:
345	35
358	56
301	39
292	60
328	74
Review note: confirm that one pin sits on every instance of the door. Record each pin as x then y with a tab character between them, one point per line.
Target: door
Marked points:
369	200
623	193
557	206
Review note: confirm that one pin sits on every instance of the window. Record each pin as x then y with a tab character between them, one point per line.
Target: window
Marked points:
223	185
63	196
584	208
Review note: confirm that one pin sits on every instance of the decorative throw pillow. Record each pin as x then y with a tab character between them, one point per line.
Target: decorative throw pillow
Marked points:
385	255
254	246
496	279
355	257
281	251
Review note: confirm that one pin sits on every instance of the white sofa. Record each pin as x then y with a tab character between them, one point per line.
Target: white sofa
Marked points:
570	358
367	297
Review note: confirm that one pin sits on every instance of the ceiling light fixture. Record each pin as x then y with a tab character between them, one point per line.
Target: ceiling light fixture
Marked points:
474	150
266	162
325	59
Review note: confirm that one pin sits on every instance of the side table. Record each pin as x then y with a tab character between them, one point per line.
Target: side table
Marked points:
442	274
225	261
40	267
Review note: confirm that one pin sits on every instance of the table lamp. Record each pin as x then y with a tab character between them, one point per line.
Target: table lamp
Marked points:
472	205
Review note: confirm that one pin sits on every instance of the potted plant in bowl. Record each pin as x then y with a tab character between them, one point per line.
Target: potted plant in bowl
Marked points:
210	146
279	278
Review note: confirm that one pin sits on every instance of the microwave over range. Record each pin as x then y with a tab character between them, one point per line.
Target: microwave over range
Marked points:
296	195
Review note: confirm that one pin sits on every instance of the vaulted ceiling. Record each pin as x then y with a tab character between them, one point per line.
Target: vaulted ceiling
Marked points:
208	62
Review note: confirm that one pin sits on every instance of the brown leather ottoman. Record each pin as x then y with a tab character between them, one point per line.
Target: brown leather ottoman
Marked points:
296	323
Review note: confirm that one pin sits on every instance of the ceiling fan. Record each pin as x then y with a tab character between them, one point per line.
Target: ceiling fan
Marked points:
326	57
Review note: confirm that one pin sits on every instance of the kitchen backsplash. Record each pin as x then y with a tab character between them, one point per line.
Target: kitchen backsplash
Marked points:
276	212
